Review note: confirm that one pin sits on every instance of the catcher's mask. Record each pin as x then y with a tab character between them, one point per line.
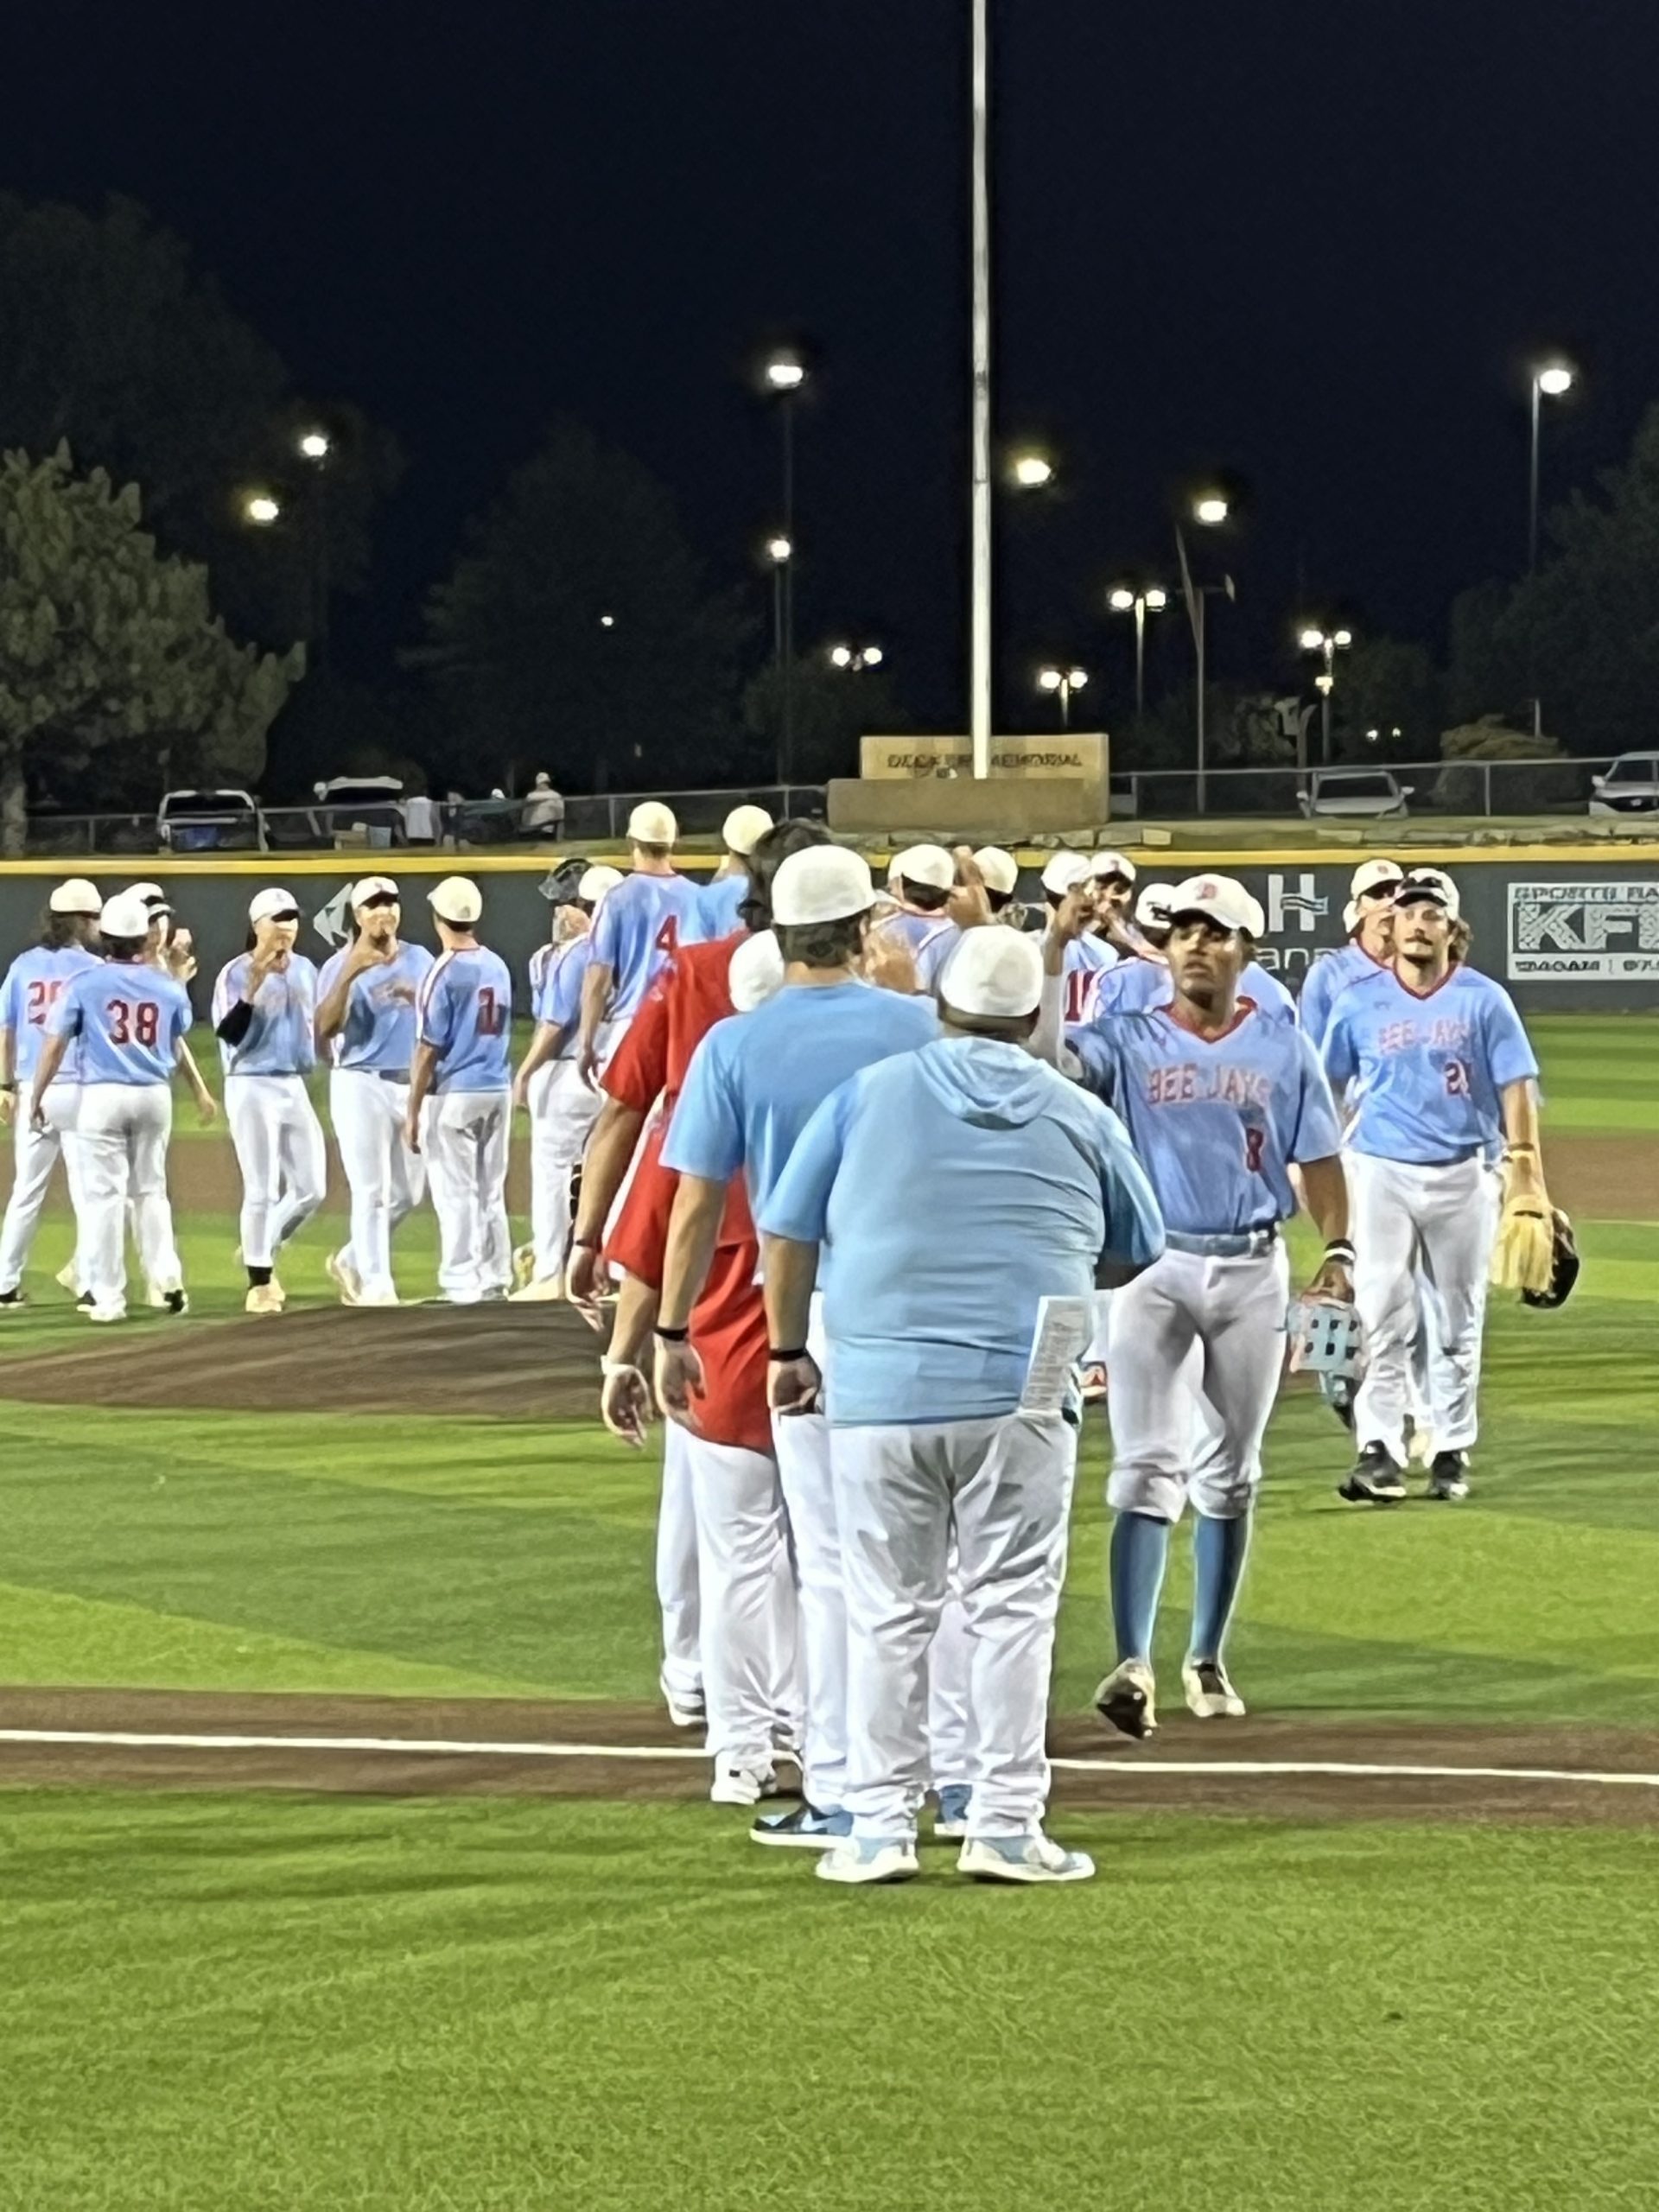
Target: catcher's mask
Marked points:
1324	1339
1564	1270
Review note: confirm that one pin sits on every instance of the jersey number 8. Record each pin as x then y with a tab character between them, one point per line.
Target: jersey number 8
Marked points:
491	1018
140	1024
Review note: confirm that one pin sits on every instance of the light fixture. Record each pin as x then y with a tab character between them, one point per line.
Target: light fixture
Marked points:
1212	509
1555	379
1157	599
260	507
779	548
1049	679
1032	470
607	621
785	373
842	656
873	656
314	445
1312	640
1342	639
1076	677
1121	599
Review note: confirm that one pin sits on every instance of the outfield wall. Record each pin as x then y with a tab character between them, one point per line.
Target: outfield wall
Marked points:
1564	930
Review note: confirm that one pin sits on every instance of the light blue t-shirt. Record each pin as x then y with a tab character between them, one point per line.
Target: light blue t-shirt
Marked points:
555	977
911	931
756	1080
130	1018
718	902
638	926
951	1189
281	1039
465	1011
378	1035
1137	986
1216	1122
1423	1070
34	982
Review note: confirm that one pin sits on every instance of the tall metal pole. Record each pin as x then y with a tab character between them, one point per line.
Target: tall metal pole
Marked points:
1140	658
1199	636
980	650
1532	486
786	622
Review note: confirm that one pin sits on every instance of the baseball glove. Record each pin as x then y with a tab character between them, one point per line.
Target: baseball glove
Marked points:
1564	1266
1523	1256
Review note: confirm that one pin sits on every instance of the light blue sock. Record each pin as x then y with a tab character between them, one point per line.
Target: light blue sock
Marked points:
1218	1553
1140	1552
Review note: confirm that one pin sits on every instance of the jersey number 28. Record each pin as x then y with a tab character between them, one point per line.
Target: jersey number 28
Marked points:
130	1025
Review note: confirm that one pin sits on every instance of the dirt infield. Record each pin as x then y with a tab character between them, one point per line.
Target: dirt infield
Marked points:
373	1746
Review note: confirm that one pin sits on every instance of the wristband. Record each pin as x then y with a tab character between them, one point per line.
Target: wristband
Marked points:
10	1087
1511	1150
1339	1248
778	1357
673	1335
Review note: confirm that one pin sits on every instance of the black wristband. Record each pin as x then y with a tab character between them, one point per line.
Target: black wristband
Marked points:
1340	1249
673	1335
798	1352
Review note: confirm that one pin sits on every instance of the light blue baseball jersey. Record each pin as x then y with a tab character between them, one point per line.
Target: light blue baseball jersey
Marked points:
1085	962
34	982
1216	1122
130	1019
281	1039
718	902
378	1035
969	1147
1326	981
556	973
1423	1070
932	953
911	931
464	1012
1137	986
756	1080
637	926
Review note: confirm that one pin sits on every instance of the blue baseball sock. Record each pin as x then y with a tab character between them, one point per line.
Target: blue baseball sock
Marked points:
1139	1553
1218	1553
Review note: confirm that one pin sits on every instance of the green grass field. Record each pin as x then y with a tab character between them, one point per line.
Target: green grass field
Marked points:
257	2001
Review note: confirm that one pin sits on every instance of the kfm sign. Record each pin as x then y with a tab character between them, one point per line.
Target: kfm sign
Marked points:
1606	931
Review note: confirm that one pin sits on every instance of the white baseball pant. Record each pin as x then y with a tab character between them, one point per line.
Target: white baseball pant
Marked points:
1003	1487
464	1136
805	1473
562	1111
37	1151
1441	1219
123	1130
746	1600
386	1180
1431	1388
283	1158
678	1591
1193	1324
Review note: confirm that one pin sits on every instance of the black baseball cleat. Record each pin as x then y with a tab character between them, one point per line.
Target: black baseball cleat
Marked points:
1373	1479
12	1301
1448	1475
175	1302
1128	1700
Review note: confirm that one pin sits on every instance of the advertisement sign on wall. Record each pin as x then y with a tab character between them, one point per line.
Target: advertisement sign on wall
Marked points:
1605	930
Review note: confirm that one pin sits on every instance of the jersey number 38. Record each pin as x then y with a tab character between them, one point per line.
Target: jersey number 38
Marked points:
130	1025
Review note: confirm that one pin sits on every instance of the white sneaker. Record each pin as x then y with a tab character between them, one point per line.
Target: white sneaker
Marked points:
105	1313
377	1298
1209	1694
1128	1698
685	1712
871	1861
345	1280
524	1266
542	1291
1034	1857
264	1298
741	1785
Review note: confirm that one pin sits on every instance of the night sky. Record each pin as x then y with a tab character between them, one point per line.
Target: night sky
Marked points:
1311	245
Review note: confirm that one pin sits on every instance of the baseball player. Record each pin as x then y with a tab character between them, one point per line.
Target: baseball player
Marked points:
562	1107
752	1086
463	1029
1087	957
33	982
722	896
637	927
993	874
1368	920
1433	1060
130	1023
365	1021
265	1017
168	944
1220	1102
951	1417
1113	876
920	880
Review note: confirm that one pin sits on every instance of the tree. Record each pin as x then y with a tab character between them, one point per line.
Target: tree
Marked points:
114	343
830	709
1462	786
577	630
1389	703
110	657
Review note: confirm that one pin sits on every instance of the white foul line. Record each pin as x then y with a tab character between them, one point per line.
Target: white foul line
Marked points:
443	1747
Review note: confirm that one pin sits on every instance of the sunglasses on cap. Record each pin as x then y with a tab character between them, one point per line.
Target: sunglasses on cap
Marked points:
288	914
380	898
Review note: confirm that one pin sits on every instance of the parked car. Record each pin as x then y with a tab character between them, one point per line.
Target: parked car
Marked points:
1370	792
210	821
1630	786
371	805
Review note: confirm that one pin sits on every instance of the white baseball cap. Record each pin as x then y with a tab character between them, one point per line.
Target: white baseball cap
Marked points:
1431	884
824	883
457	900
596	881
75	897
1105	866
126	915
1351	915
999	870
1152	908
1376	875
1222	898
372	886
756	971
153	898
1064	872
267	904
652	824
744	828
994	971
929	864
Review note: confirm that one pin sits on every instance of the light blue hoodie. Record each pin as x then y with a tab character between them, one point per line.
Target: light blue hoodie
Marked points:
951	1189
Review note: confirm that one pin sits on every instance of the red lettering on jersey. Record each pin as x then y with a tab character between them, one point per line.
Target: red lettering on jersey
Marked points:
668	937
1254	1145
140	1024
42	996
492	1016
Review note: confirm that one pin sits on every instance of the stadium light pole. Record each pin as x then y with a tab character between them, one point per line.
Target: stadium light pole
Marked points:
1151	599
1210	510
784	374
1550	382
856	657
979	674
1062	682
1327	643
